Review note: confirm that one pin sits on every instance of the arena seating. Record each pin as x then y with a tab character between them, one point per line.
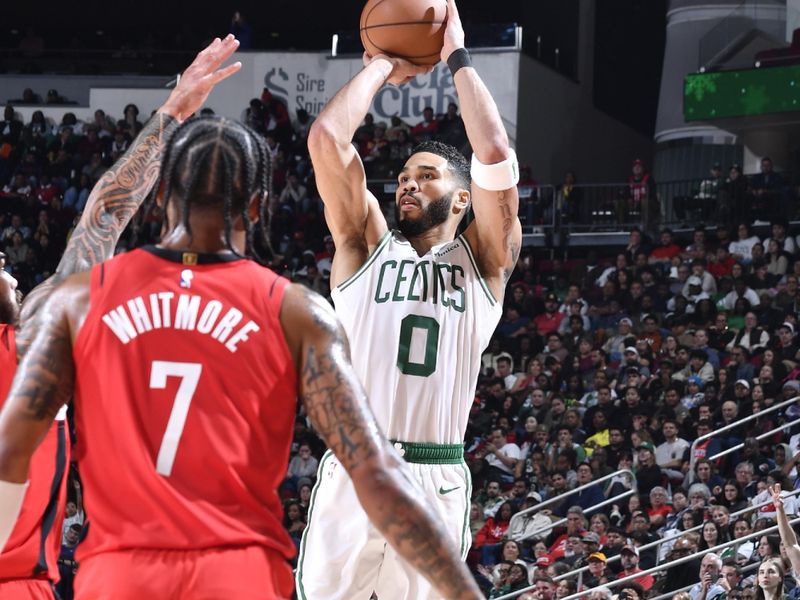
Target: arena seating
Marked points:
619	358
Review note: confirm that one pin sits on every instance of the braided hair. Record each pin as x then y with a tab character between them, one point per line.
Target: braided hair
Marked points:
216	162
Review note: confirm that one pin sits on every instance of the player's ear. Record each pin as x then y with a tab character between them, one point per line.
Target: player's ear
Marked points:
462	199
160	194
254	205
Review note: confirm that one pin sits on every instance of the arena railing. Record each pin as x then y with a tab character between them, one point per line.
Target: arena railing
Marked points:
537	208
671	594
537	203
668	595
600	207
535	533
658	568
562	497
662	541
760	437
734	425
682	201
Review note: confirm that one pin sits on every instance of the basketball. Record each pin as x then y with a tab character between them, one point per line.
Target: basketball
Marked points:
409	29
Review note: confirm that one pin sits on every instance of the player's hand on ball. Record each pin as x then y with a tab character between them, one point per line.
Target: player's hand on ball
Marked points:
197	81
453	33
403	71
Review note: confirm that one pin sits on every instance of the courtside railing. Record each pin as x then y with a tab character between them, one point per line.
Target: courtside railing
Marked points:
603	207
759	437
654	570
734	425
658	543
562	497
669	595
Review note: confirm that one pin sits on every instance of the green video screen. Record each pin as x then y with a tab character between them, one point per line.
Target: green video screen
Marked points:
748	92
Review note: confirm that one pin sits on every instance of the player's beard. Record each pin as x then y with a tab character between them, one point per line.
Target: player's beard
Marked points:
436	214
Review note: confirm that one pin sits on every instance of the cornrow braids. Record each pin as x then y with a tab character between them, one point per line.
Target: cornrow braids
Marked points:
213	161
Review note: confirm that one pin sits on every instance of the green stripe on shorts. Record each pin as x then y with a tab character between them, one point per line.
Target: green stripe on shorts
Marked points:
465	527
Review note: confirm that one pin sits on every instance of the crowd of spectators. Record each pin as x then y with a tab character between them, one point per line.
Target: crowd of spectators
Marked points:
723	198
621	362
734	198
615	361
48	169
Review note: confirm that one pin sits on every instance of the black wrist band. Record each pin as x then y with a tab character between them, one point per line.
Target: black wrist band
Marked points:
457	59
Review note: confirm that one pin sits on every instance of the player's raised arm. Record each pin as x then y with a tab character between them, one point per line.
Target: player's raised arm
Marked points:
351	211
496	233
338	409
43	383
788	536
122	189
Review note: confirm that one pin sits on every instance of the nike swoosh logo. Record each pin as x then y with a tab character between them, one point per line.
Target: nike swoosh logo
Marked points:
443	491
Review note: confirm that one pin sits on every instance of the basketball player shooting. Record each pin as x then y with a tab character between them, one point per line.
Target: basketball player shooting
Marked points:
186	359
28	563
419	306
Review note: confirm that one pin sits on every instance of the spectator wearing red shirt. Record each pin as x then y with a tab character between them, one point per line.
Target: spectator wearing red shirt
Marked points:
658	509
642	193
46	191
665	251
427	128
650	333
722	264
576	524
550	319
495	527
629	555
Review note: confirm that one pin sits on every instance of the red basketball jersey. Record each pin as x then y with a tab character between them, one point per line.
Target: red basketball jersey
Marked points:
185	400
32	550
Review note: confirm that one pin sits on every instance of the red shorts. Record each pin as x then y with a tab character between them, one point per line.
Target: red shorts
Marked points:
26	589
248	573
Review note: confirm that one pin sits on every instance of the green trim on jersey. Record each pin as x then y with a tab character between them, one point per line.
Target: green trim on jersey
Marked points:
468	504
431	454
302	554
492	299
382	243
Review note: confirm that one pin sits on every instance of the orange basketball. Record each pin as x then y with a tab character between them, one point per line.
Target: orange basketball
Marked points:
409	29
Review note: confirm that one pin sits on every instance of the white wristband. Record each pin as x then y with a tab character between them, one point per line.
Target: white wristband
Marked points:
11	497
498	177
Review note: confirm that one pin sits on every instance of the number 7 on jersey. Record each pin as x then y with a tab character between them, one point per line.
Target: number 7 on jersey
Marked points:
190	375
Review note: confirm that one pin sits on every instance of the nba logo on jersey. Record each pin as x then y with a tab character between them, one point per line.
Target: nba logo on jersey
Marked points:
186	278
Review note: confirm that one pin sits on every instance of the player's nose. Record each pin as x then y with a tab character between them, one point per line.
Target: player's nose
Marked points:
410	185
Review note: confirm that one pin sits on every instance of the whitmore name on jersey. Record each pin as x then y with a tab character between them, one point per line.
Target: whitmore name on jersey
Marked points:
161	311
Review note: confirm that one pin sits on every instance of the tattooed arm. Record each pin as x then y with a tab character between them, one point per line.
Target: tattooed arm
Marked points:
338	409
496	234
122	189
44	379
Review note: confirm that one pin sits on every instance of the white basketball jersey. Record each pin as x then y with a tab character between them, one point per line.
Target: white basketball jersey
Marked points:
417	326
